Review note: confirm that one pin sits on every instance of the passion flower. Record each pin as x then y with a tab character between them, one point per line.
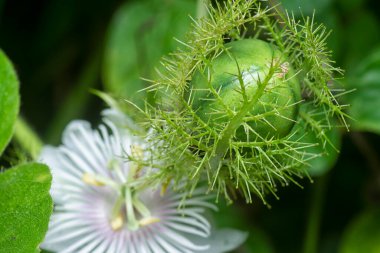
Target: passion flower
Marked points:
253	77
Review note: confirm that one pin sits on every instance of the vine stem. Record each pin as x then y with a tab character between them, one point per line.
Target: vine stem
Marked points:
27	138
315	215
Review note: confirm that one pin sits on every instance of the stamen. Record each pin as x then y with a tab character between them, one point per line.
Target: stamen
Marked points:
164	188
117	207
114	165
143	210
148	220
117	222
91	180
137	151
137	154
131	219
96	180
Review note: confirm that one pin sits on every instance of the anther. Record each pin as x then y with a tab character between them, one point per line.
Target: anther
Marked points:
164	188
148	220
117	222
137	151
91	180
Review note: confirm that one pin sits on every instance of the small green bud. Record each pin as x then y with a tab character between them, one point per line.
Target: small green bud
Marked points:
233	79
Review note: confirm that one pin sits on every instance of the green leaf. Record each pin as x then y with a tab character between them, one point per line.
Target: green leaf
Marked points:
326	153
25	207
139	35
363	234
364	100
9	100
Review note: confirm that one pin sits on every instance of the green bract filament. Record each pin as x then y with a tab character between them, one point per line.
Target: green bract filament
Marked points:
235	104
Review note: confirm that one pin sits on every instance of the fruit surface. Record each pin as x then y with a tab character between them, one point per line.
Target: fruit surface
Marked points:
271	88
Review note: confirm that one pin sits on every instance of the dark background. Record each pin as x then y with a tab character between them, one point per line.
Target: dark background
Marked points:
57	48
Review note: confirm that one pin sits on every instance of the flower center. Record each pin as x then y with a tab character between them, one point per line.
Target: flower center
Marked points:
128	209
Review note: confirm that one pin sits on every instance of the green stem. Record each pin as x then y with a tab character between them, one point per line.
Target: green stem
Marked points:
140	207
117	206
131	218
313	226
27	138
115	166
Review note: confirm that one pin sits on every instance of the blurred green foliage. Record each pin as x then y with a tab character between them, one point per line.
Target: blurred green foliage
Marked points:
363	234
365	98
327	153
133	53
61	49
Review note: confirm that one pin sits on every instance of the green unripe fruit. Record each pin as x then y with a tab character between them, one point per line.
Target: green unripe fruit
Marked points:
267	80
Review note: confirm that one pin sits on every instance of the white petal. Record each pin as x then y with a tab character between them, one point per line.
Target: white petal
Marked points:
121	245
183	241
113	244
79	162
101	247
105	140
166	246
187	229
154	247
140	242
223	240
49	156
121	120
86	243
189	221
72	234
90	155
131	244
